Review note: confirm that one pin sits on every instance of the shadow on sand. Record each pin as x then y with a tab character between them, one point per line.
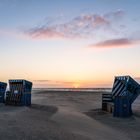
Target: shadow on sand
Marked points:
129	126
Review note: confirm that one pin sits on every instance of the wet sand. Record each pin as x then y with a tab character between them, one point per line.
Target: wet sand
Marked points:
66	116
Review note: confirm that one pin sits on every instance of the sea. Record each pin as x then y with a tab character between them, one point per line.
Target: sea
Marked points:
76	89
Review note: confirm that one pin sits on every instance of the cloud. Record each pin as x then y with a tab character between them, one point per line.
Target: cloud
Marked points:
115	43
53	83
49	32
42	81
79	27
116	15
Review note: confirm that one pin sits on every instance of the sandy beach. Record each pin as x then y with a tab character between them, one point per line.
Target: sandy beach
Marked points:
64	64
66	116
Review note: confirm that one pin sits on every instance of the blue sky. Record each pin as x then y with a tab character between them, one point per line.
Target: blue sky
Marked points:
61	43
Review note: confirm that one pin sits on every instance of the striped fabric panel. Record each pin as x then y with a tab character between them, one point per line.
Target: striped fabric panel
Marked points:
119	91
116	88
115	83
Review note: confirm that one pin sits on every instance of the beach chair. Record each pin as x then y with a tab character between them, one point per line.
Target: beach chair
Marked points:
2	91
124	92
19	93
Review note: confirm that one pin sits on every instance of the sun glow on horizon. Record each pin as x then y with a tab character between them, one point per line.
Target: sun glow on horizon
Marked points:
76	85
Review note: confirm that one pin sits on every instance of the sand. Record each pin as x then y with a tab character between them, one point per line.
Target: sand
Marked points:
66	116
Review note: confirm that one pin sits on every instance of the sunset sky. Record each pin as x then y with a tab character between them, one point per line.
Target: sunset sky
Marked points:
69	43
